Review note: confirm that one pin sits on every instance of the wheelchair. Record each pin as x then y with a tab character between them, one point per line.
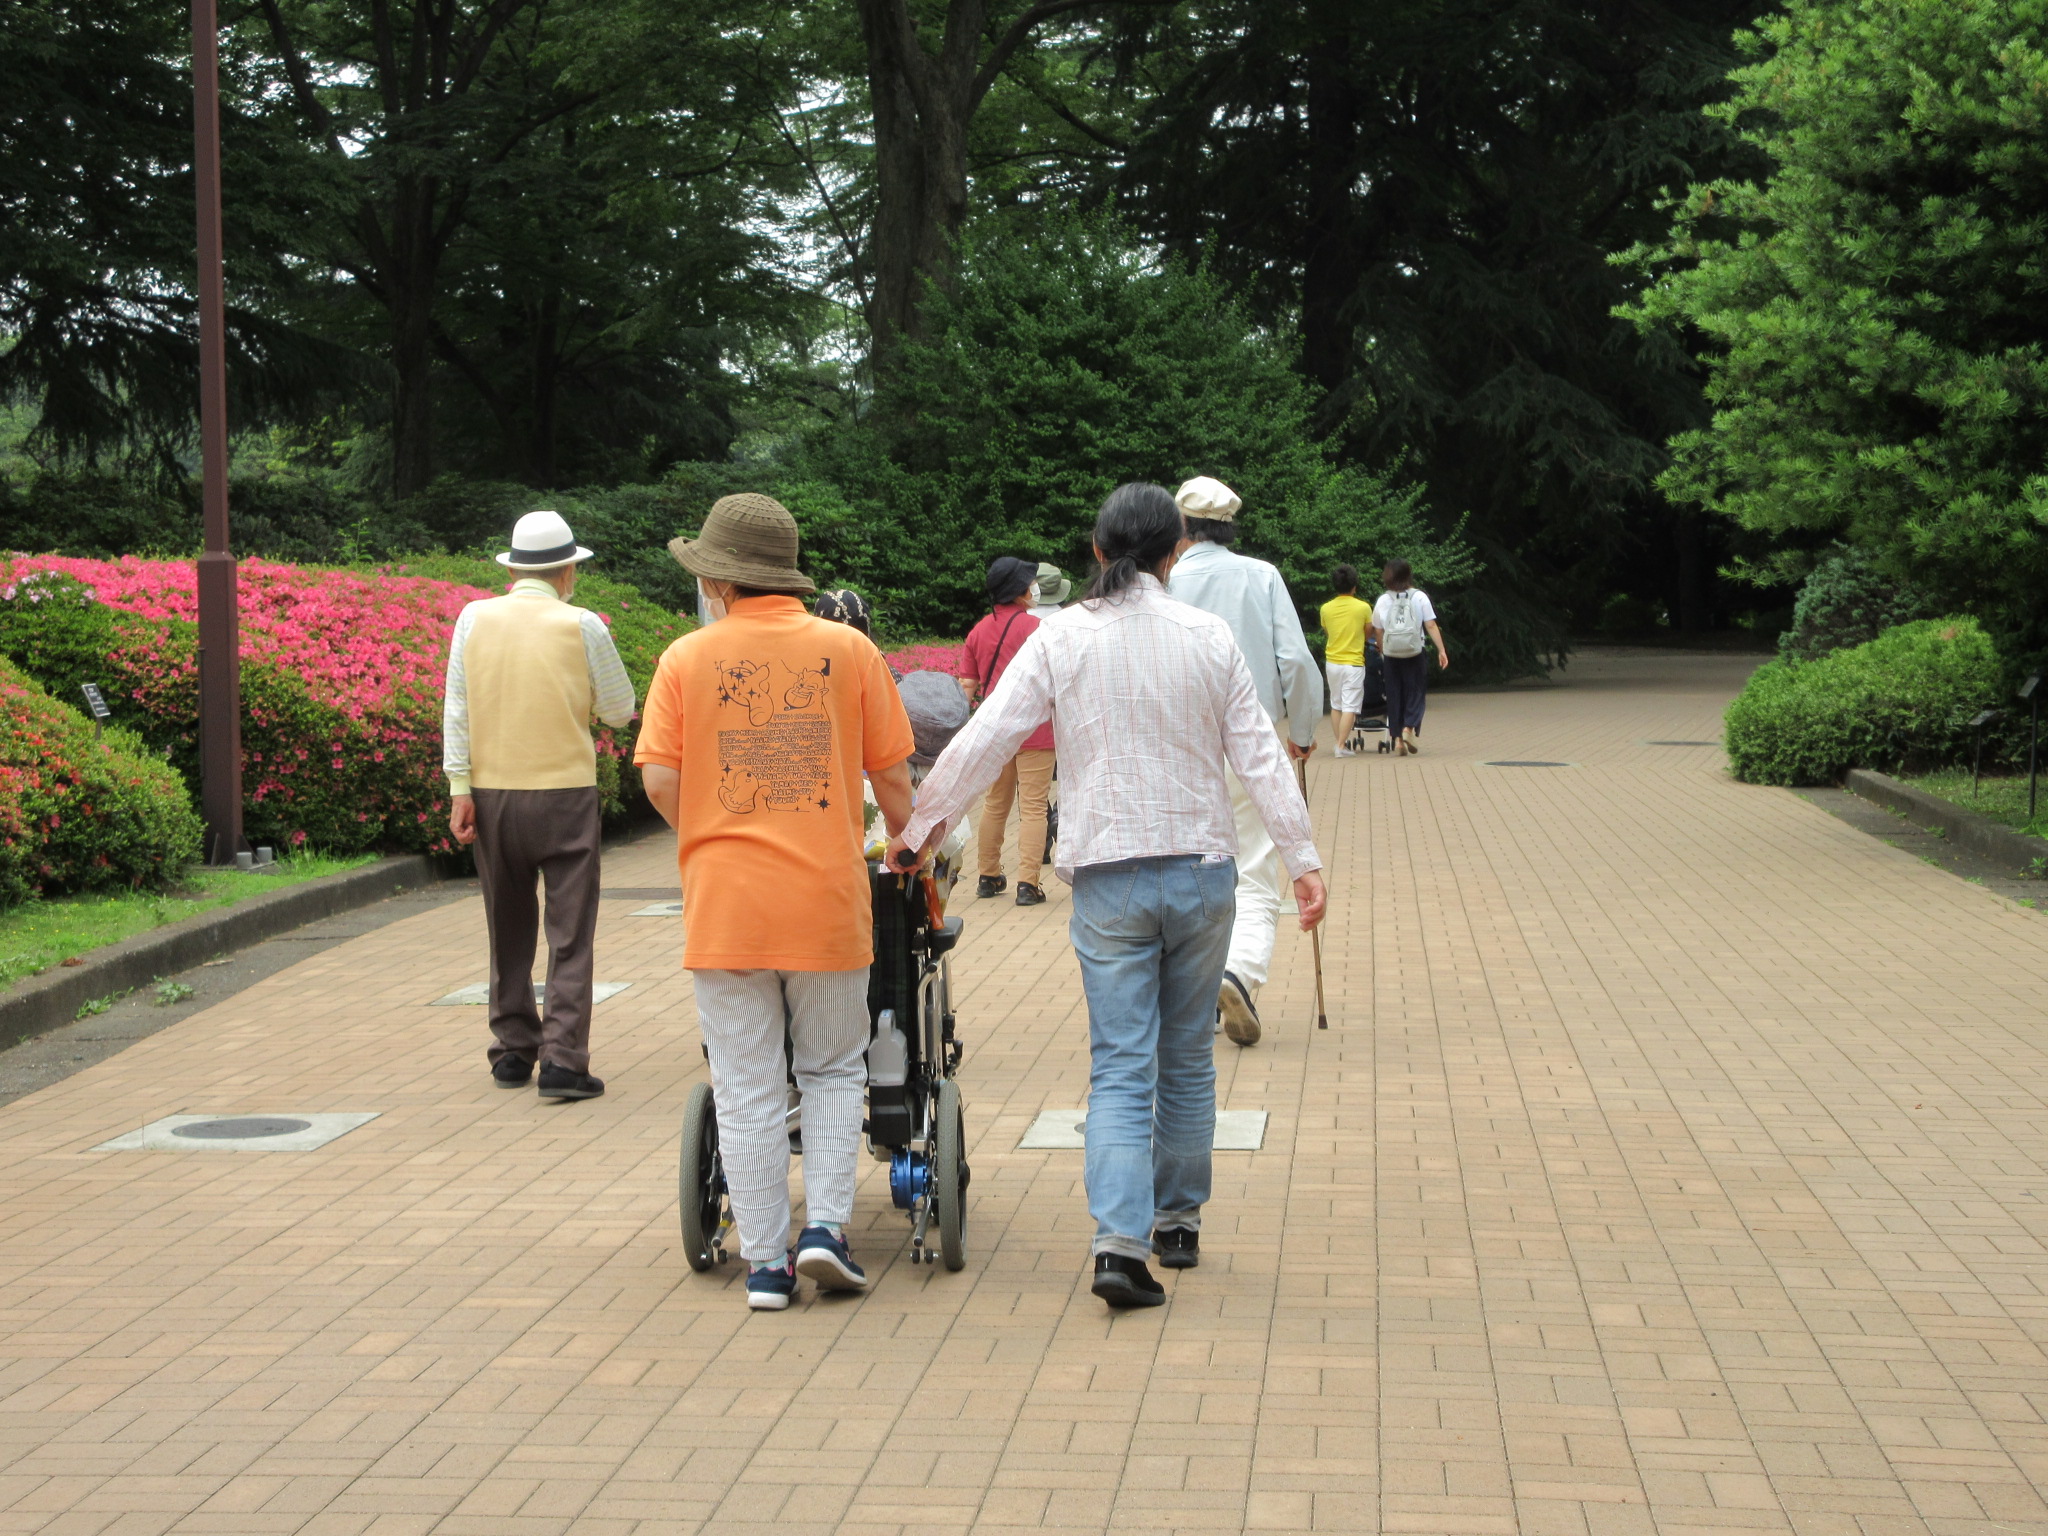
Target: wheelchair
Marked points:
914	1121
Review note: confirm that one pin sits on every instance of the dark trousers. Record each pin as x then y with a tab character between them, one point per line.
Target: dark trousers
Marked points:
524	836
1407	691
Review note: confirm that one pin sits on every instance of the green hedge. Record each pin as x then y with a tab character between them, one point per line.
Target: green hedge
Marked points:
1905	697
80	812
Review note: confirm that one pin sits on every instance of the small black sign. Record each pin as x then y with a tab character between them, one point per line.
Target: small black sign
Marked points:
95	702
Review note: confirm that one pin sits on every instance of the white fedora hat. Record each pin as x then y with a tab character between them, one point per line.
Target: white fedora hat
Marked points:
542	541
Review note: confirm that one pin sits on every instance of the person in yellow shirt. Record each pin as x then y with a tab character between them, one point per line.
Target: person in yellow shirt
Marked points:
1345	621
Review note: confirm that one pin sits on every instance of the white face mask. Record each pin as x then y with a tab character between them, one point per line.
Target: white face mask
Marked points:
709	609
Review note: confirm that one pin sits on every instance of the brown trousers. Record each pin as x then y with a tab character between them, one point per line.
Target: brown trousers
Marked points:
1026	777
523	836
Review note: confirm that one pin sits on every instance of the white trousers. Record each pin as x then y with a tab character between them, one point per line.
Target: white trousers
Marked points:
1262	886
742	1015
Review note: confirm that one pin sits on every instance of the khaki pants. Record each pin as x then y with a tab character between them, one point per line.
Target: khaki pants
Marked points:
1029	775
524	836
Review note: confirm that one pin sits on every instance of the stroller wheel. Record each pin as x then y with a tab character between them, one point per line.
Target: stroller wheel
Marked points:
700	1182
949	1176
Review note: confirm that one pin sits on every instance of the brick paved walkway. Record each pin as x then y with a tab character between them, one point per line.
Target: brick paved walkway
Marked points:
1673	1163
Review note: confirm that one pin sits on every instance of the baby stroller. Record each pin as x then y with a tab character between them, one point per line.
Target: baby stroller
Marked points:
914	1121
1372	709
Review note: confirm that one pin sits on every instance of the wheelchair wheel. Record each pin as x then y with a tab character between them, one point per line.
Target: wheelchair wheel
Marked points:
700	1182
949	1177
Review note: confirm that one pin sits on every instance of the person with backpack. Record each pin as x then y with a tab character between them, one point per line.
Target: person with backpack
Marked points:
991	646
1399	619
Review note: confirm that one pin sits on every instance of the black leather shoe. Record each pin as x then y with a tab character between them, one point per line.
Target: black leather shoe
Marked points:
1125	1282
560	1083
1028	895
991	885
511	1071
1177	1247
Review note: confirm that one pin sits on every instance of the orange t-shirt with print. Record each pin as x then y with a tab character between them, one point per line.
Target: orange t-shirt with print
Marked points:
770	716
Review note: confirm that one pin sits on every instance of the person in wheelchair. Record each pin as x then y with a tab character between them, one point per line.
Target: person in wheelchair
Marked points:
757	730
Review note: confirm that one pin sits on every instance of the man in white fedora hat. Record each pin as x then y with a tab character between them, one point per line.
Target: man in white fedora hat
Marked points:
526	673
1250	596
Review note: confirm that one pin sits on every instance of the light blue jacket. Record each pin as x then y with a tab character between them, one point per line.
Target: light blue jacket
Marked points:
1250	596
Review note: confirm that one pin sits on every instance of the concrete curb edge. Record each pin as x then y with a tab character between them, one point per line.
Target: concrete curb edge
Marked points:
43	1002
1981	835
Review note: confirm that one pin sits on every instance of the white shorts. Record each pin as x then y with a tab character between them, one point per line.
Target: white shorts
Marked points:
1347	687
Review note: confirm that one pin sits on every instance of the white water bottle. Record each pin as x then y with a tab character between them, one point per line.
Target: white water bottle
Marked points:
888	1053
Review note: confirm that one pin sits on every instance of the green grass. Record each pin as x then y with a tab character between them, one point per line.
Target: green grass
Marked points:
39	934
2001	799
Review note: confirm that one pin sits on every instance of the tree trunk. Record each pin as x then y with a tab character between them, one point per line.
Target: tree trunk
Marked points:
411	283
922	103
546	386
1330	269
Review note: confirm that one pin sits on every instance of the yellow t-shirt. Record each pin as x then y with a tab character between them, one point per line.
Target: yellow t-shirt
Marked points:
1345	620
771	715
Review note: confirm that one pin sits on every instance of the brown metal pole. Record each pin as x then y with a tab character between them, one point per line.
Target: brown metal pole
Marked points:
220	663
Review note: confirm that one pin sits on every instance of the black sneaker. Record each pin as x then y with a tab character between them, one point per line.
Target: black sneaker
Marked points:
1028	895
1125	1282
511	1071
558	1082
1177	1247
991	885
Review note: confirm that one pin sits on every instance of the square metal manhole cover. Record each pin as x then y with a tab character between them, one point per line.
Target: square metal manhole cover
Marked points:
238	1133
1060	1130
478	995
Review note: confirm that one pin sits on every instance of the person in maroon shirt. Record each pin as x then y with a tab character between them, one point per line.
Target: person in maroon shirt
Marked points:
1012	590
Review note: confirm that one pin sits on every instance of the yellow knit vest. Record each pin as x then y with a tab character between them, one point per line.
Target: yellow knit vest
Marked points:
529	696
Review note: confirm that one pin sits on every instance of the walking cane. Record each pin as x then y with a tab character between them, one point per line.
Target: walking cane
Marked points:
1315	935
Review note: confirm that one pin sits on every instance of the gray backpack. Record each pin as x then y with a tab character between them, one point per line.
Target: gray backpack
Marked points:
1403	634
937	707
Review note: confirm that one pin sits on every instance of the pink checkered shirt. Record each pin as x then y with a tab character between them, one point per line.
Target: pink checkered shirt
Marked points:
1149	698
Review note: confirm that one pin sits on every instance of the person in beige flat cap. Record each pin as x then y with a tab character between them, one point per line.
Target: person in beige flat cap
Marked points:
1251	597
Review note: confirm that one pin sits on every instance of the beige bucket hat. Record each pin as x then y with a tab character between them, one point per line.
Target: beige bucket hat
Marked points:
749	540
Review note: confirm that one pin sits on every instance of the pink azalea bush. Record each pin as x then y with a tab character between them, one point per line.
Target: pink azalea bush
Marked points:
359	640
342	673
929	657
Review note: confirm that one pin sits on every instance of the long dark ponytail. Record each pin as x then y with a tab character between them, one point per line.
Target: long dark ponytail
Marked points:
1137	529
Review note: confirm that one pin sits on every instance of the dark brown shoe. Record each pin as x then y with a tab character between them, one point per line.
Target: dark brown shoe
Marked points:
560	1083
1028	895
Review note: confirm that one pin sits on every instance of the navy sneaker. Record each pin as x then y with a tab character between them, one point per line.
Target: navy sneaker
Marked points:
824	1257
1126	1282
1177	1247
773	1288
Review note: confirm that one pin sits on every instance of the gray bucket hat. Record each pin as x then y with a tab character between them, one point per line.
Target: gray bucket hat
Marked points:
749	540
1052	586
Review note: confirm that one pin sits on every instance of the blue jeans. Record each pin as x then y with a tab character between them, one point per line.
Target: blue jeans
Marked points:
1152	936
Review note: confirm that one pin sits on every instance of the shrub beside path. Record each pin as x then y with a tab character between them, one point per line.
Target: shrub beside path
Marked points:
1673	1163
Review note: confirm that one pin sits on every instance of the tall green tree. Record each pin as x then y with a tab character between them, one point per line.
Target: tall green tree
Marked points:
1065	362
931	65
1876	303
98	331
497	151
1427	193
